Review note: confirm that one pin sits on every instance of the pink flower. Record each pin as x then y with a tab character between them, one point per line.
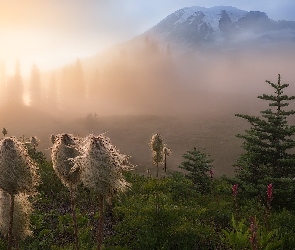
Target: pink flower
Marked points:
211	173
269	193
235	190
254	236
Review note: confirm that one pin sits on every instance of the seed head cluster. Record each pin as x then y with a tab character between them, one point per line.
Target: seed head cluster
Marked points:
64	150
22	211
102	166
156	144
18	170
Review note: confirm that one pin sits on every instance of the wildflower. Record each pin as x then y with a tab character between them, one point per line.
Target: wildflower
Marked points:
156	144
211	174
18	170
235	190
4	132
269	192
18	175
63	151
254	233
166	152
269	195
102	167
22	211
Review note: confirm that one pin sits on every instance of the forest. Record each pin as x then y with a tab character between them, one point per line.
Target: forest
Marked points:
89	195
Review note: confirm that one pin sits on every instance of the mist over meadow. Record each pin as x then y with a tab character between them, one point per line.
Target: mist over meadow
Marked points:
141	87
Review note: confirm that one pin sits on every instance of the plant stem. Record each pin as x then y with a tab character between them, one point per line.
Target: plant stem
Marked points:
10	236
100	222
73	203
165	163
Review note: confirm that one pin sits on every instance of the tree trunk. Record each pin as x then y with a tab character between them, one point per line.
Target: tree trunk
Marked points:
73	203
100	222
157	169
10	234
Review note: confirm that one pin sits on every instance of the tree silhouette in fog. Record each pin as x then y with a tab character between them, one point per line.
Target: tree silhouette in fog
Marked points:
2	82
15	87
35	87
72	86
52	95
78	85
94	84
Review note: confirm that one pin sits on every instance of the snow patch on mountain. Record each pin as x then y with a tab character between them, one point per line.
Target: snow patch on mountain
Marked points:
211	15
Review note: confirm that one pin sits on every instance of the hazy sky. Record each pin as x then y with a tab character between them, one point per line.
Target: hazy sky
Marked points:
53	32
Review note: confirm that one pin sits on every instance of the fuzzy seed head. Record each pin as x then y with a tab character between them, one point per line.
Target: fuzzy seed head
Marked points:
21	215
18	170
102	166
166	150
52	138
64	150
4	131
156	143
34	141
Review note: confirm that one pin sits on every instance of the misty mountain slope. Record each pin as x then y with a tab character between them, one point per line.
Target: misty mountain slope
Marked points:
221	26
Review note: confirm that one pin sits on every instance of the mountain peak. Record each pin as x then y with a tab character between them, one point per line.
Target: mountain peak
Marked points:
201	27
211	15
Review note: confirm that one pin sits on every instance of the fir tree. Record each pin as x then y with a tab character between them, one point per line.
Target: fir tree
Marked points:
198	165
268	141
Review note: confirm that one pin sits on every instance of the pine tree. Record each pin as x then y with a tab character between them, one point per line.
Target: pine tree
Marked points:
198	165
269	140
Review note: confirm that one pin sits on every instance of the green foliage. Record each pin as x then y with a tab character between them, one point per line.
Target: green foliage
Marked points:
239	237
198	165
168	214
284	221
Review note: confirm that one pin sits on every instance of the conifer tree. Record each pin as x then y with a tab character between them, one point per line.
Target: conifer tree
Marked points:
268	141
198	165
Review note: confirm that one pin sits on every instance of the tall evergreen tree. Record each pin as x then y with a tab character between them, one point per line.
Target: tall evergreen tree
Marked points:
268	141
